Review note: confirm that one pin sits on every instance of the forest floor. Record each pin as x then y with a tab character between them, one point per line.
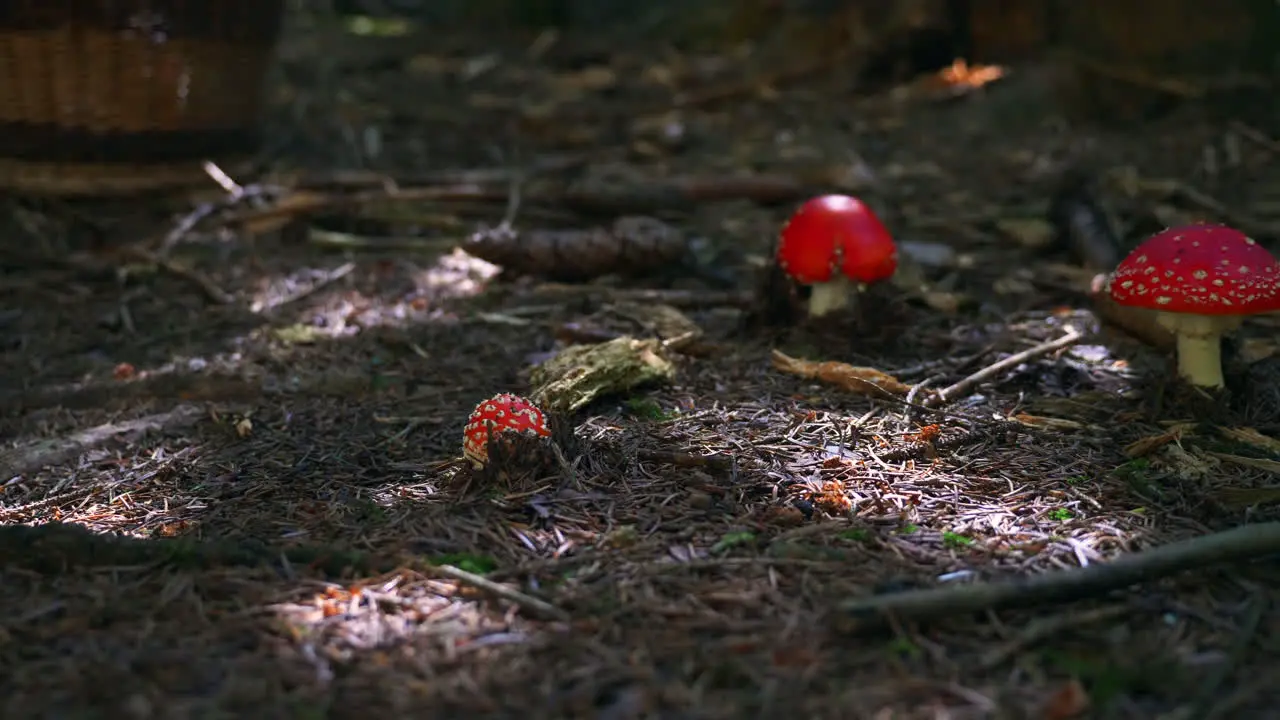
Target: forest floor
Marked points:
270	430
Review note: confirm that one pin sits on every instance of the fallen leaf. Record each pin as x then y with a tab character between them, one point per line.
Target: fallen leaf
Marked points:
599	77
1048	423
298	334
431	65
1248	497
283	211
832	499
781	516
795	656
1249	436
1271	466
1147	445
1013	284
944	302
852	378
1068	701
1028	232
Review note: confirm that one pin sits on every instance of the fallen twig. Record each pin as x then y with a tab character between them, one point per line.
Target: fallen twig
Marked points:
52	451
673	297
322	282
686	460
1244	543
206	284
55	547
663	195
528	602
352	179
1256	136
347	241
1072	337
1037	632
1137	78
1210	693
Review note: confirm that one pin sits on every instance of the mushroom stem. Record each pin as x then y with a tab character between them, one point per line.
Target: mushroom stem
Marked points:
1200	345
829	296
1200	361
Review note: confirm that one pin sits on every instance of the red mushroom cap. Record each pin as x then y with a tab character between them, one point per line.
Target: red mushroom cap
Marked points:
1199	269
833	232
503	413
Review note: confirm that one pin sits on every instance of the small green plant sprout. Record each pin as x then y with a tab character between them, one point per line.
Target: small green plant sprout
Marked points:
1060	514
646	409
474	564
1134	467
855	535
903	648
1136	474
731	540
955	540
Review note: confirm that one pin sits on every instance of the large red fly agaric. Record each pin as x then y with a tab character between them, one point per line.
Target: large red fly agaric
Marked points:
503	413
1202	280
831	242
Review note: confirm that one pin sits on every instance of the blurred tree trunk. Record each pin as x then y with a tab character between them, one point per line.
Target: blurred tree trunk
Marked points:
1130	59
1004	31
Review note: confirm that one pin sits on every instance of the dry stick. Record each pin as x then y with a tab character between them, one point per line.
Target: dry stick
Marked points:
202	281
1232	546
1072	337
1041	630
321	283
1211	690
528	602
674	297
30	457
1257	136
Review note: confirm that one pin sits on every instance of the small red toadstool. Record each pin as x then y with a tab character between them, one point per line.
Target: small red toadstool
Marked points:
503	413
1202	280
829	242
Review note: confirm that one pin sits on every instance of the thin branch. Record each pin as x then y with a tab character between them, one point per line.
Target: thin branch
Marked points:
1072	337
1232	546
512	595
36	454
1036	633
1210	693
206	284
57	547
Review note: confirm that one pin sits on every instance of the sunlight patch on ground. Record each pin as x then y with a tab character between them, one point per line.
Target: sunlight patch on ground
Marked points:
340	310
405	617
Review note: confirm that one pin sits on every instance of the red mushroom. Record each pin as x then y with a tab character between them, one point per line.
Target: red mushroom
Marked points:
503	413
831	241
1202	280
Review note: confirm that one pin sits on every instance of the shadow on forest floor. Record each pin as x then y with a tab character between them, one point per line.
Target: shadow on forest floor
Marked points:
300	540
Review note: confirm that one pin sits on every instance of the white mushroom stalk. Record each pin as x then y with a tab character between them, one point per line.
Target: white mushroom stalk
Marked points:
1200	345
828	297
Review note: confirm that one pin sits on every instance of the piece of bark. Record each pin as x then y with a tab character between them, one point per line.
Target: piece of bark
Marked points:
633	245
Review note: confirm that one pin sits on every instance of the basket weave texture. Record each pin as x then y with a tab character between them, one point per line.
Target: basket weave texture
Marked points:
110	97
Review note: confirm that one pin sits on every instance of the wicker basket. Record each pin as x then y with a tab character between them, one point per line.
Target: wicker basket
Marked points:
110	97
